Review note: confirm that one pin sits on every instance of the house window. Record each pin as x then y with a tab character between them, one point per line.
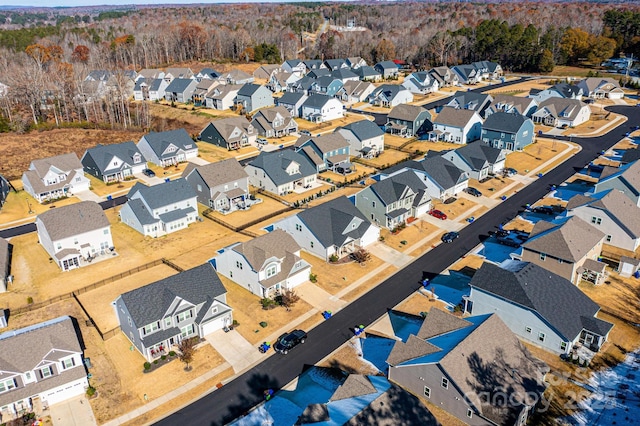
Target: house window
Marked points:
596	220
148	329
298	227
311	244
373	204
106	232
199	188
543	256
560	261
28	376
608	239
427	391
230	274
527	329
183	316
186	331
541	336
46	372
469	413
7	385
167	322
563	346
238	264
214	310
129	321
271	271
445	383
68	363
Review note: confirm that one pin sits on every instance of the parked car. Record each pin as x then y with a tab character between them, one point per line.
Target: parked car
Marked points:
509	172
262	141
544	210
450	236
148	172
438	214
288	341
472	191
305	132
508	242
449	200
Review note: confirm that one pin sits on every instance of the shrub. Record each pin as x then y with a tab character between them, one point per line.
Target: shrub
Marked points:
267	303
147	365
91	391
236	323
313	277
163	357
29	300
263	324
172	353
333	258
155	361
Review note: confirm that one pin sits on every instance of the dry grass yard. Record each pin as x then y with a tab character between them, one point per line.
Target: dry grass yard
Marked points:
369	284
619	295
419	302
242	217
456	209
19	204
411	235
213	153
387	158
394	140
536	154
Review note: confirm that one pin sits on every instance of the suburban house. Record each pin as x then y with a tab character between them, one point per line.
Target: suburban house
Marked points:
199	96
355	91
236	77
222	186
333	229
443	179
168	148
394	199
294	66
180	90
387	69
478	160
254	96
5	265
561	112
326	85
230	133
560	90
421	83
367	73
207	74
344	75
281	172
408	120
330	151
158	316
444	76
626	178
222	97
302	86
458	126
265	265
355	62
467	74
598	88
569	249
293	102
321	108
313	64
40	365
278	81
505	130
513	104
390	95
478	102
488	70
113	163
319	72
465	366
149	89
54	177
365	138
172	73
611	212
335	64
274	122
74	235
539	306
149	73
264	72
161	209
4	190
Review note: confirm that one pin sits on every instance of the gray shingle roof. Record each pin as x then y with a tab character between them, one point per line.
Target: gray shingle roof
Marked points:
480	151
454	117
618	205
141	212
389	91
149	303
556	299
64	162
406	112
103	154
275	163
248	89
159	141
571	240
629	174
218	173
413	348
520	103
504	122
290	98
329	221
74	219
343	73
316	101
164	194
354	386
325	143
179	85
559	106
366	71
441	170
392	188
439	323
387	65
363	129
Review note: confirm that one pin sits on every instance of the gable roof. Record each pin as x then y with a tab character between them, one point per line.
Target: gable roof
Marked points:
183	72
478	151
276	243
450	116
394	187
317	101
103	154
566	90
363	129
64	163
441	170
274	164
555	298
207	72
235	75
366	71
343	73
618	205
519	103
249	89
226	126
290	98
179	85
389	91
335	221
164	194
387	65
325	143
629	173
593	83
74	219
218	173
559	106
470	100
159	141
271	113
505	122
440	322
150	302
406	112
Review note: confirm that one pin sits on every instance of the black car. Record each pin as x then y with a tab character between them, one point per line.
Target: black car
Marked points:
473	191
450	236
508	242
148	172
544	210
288	341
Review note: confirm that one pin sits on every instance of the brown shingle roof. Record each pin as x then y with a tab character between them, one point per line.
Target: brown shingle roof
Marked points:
64	162
439	322
274	244
355	385
415	347
218	173
454	117
75	219
405	112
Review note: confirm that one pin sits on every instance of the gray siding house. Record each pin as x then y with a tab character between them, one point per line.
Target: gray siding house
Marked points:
222	186
254	96
231	133
168	148
5	264
180	90
539	306
510	131
365	138
477	159
408	120
625	179
388	69
280	172
442	177
274	122
113	163
156	317
4	190
292	101
327	152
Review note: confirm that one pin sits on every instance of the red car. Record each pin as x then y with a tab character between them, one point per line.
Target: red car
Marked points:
438	214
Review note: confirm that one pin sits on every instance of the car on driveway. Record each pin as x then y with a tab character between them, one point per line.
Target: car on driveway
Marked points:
288	341
509	172
305	133
262	141
438	214
472	191
544	210
450	236
148	172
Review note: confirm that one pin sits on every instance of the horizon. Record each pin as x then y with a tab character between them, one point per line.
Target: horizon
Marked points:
85	3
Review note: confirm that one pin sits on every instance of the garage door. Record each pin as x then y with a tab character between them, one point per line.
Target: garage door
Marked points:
213	325
63	393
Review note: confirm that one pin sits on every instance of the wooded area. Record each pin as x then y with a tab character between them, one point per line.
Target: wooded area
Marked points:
45	56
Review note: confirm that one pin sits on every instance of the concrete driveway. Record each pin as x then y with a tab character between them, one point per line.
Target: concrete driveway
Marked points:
88	196
74	412
235	349
388	254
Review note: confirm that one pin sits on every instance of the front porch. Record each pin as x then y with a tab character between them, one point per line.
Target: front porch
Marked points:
397	129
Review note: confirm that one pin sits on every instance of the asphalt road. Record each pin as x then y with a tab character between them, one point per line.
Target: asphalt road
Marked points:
241	394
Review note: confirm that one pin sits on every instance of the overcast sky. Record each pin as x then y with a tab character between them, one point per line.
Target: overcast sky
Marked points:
71	3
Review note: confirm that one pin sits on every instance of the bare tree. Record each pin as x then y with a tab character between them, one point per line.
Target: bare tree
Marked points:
289	299
187	350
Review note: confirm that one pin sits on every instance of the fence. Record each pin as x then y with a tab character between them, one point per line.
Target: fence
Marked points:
242	229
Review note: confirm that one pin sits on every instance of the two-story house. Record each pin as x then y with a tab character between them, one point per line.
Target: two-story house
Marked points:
335	64
180	90
40	366
365	137
334	228
355	91
281	172
158	316
478	102
274	122
444	76
293	102
561	112
387	69
265	265
113	163
327	152
279	81
443	179
421	83
467	74
149	89
236	76
394	199
74	235
390	95
477	159
355	62
458	126
222	186
541	307
294	66
231	133
626	179
367	73
510	131
408	120
4	190
222	97
171	74
54	177
513	104
168	148
559	90
253	97
326	85
598	88
321	108
160	209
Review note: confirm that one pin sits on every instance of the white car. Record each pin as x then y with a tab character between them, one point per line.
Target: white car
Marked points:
262	141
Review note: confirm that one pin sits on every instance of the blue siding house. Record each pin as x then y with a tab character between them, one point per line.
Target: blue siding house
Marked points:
509	131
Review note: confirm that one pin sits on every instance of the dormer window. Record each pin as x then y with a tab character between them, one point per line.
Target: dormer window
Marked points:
7	385
46	372
68	363
271	270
